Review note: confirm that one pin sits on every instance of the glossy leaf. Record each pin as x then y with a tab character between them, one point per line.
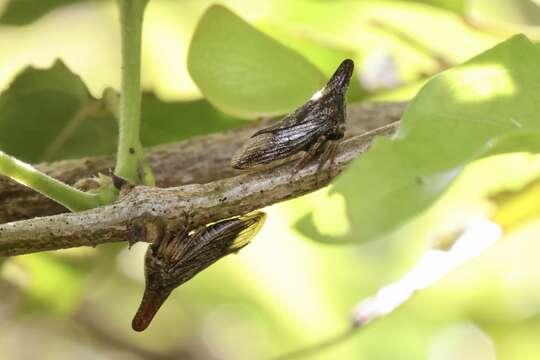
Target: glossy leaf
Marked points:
486	106
243	71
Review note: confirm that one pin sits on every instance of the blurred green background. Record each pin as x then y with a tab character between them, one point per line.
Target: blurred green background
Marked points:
286	289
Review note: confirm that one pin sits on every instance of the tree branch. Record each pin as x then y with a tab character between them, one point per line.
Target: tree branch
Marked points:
198	160
133	217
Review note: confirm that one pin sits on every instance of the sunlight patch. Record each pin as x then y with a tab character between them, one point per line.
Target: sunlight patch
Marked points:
481	82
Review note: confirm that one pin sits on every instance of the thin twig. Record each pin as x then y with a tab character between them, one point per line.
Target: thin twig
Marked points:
320	346
27	175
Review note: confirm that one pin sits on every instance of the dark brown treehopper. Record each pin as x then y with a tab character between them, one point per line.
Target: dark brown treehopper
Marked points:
314	128
173	260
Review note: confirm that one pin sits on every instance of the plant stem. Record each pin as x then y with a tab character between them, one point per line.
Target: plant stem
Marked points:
71	198
130	163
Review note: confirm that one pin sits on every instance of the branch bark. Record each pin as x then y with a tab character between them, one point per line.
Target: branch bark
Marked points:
206	186
198	160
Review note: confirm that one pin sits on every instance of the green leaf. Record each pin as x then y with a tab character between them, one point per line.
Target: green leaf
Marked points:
321	55
48	114
486	106
22	12
164	122
244	72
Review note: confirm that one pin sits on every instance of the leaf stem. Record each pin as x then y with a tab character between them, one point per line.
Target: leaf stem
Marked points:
23	173
130	162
